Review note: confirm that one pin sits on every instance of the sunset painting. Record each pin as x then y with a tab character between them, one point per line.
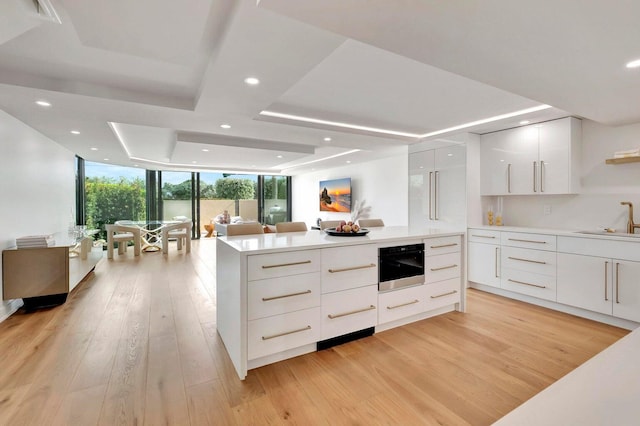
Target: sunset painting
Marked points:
335	195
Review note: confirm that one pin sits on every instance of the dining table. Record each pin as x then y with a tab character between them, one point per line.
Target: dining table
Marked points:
150	232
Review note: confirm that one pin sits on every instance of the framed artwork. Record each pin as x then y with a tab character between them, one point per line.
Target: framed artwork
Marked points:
335	195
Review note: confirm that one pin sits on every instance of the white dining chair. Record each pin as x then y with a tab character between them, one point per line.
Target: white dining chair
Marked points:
324	224
291	226
122	234
181	231
370	223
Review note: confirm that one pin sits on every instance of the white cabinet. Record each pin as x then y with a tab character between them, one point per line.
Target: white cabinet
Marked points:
437	186
349	267
349	310
483	257
283	302
600	275
402	303
601	284
536	159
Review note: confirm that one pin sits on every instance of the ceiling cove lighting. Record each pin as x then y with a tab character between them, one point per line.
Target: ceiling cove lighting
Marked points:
399	133
634	64
323	159
115	130
336	124
43	103
252	81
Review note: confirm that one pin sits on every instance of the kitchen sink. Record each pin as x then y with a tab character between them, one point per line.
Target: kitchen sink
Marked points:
609	234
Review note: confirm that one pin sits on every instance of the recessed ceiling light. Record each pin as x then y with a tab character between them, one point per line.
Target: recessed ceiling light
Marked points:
348	161
136	165
327	139
43	103
252	81
205	150
225	126
75	132
106	159
525	122
634	64
449	155
253	166
194	162
279	156
94	149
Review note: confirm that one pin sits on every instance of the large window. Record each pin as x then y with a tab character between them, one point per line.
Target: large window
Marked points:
113	193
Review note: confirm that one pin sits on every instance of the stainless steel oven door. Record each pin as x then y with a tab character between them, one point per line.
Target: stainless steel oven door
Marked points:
400	266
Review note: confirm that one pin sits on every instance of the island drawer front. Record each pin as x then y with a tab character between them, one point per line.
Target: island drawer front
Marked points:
279	333
397	304
442	267
529	283
532	241
442	293
274	265
537	261
349	267
483	236
277	296
350	310
442	245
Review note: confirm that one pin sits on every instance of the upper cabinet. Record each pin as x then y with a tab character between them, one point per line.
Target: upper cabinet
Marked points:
437	182
537	159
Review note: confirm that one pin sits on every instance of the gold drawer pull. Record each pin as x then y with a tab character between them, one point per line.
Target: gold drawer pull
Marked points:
273	336
529	284
443	267
403	304
527	241
353	268
482	236
539	262
444	294
285	264
444	245
266	299
351	312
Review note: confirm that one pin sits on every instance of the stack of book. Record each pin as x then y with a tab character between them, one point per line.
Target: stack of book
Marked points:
35	241
627	153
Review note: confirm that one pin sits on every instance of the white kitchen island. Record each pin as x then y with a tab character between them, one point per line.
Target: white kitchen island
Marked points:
278	295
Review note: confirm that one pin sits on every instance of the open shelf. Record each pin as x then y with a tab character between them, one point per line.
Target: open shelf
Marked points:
623	160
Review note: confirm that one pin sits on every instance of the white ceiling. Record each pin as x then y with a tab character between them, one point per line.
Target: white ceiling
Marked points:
149	82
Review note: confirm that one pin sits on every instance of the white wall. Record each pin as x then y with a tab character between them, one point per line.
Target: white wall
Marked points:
37	186
603	187
383	184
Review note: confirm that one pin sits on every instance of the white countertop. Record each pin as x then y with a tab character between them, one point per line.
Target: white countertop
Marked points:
603	391
263	243
579	233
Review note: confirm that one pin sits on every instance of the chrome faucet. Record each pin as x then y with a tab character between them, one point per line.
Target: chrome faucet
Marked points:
631	227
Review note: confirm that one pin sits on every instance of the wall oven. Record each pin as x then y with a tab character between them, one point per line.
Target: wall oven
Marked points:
400	266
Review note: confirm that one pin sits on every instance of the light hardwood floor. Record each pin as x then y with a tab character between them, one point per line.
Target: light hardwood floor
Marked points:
136	343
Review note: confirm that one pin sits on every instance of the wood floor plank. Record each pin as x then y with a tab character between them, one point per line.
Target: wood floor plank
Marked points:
136	343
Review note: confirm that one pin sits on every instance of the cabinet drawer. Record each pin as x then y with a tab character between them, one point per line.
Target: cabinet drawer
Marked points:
442	267
536	261
441	245
280	295
263	266
349	267
397	304
349	310
442	293
529	283
483	236
533	241
279	333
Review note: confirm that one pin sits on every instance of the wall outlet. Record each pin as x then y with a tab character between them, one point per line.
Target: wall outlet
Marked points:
547	209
